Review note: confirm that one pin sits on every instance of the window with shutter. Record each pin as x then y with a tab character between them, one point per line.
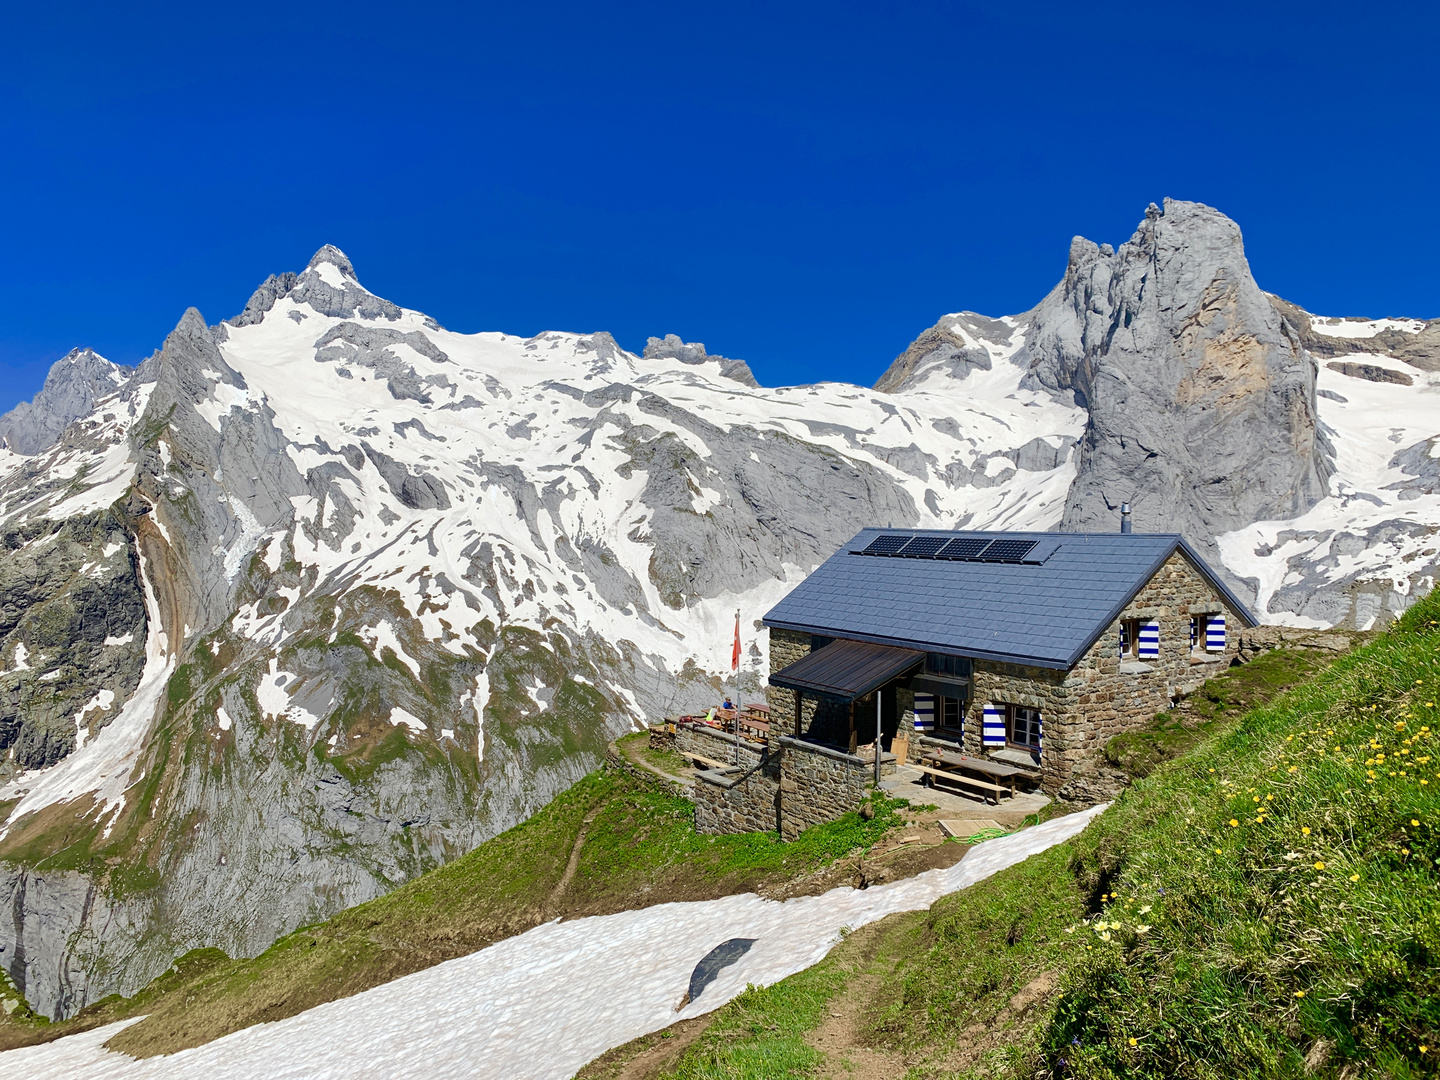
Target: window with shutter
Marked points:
1024	726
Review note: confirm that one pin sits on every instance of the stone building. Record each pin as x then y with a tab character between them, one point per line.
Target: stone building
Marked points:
1030	648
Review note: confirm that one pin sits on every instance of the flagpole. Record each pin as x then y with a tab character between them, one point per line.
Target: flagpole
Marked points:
735	672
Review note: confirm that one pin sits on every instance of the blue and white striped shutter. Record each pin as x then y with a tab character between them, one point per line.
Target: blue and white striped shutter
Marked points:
994	725
924	712
1124	638
1150	639
1215	633
1039	738
1194	631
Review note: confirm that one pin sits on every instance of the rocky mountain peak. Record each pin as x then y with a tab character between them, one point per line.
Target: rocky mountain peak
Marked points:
330	255
76	381
1201	397
329	286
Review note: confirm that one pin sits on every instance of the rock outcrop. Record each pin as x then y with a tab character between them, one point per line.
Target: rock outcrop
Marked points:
1201	397
76	381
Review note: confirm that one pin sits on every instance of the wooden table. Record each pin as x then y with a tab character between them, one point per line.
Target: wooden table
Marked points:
986	776
761	727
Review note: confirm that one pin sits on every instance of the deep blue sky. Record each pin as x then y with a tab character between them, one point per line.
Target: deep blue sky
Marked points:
803	186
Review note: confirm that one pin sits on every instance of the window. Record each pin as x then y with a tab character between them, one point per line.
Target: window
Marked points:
949	714
1140	639
1130	639
935	714
1022	727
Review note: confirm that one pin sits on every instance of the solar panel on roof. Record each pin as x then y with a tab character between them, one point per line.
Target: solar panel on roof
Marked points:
924	546
1008	550
964	547
887	544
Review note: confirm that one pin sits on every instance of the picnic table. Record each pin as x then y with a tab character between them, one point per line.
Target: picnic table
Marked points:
977	773
760	728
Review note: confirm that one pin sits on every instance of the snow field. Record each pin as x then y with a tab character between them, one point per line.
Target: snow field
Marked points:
1370	422
544	1003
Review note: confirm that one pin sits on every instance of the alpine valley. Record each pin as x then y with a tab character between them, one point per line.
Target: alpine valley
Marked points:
322	596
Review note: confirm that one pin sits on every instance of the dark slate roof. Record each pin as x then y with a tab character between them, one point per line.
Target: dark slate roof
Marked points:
1045	615
847	669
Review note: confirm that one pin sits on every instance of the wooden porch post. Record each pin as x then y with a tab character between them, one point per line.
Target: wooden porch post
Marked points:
854	735
797	714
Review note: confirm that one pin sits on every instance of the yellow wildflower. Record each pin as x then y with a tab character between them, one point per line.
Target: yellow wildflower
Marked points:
1319	866
1305	830
1234	824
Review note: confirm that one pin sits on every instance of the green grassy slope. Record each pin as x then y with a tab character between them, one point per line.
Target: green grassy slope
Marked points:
610	843
1267	904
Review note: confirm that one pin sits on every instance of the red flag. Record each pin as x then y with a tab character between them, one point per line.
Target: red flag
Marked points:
735	653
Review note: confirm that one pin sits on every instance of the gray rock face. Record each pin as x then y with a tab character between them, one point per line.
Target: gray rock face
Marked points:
270	290
1200	394
693	352
329	286
72	635
76	381
1420	350
944	344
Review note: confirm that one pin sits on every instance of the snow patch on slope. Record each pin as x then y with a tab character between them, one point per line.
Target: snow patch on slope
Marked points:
544	1003
1376	522
1362	328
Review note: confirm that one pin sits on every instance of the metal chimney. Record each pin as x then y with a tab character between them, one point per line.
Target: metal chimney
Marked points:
1125	517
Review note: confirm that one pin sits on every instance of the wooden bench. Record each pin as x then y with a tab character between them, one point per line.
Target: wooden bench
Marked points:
709	761
991	788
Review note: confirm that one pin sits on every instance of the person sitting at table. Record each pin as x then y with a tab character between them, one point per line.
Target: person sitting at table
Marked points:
727	704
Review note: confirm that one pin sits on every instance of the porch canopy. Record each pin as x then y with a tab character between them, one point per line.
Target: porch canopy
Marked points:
846	670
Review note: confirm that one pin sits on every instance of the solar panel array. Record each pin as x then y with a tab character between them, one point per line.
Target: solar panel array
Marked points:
959	548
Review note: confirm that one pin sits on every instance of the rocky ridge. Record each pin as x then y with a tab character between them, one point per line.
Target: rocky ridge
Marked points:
320	596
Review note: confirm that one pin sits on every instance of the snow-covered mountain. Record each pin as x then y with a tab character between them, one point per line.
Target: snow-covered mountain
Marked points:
326	594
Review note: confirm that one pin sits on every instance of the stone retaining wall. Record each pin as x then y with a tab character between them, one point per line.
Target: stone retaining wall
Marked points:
797	786
715	745
817	784
738	801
